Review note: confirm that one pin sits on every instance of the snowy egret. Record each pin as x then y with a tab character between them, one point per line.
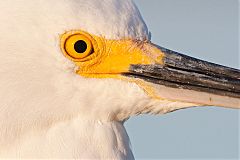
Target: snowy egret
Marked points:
73	71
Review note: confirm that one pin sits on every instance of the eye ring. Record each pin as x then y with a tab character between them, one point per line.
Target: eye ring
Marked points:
78	46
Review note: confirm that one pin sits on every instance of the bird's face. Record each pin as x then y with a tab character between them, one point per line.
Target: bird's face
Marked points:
94	58
161	73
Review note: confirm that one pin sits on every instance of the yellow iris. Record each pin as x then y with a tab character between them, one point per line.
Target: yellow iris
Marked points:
77	46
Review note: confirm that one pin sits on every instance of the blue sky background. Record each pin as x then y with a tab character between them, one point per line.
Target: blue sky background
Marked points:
206	29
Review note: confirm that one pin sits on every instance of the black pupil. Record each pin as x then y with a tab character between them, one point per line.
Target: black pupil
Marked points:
80	46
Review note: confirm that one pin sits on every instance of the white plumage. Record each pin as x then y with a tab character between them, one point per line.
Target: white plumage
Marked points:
48	111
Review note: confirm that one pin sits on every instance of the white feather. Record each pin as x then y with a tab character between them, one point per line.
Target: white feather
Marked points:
46	110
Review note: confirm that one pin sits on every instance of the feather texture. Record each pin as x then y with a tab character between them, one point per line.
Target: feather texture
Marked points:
46	110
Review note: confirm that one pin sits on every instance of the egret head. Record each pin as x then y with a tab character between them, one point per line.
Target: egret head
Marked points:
95	59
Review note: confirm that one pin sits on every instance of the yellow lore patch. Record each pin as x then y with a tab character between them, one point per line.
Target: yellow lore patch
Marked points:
107	56
97	57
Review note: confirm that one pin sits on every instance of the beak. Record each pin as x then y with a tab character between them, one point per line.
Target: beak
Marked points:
183	78
162	73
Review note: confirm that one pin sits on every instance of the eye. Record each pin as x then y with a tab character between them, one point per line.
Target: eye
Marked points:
78	46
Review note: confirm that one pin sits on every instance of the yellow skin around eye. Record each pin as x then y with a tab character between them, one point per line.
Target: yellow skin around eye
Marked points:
111	58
